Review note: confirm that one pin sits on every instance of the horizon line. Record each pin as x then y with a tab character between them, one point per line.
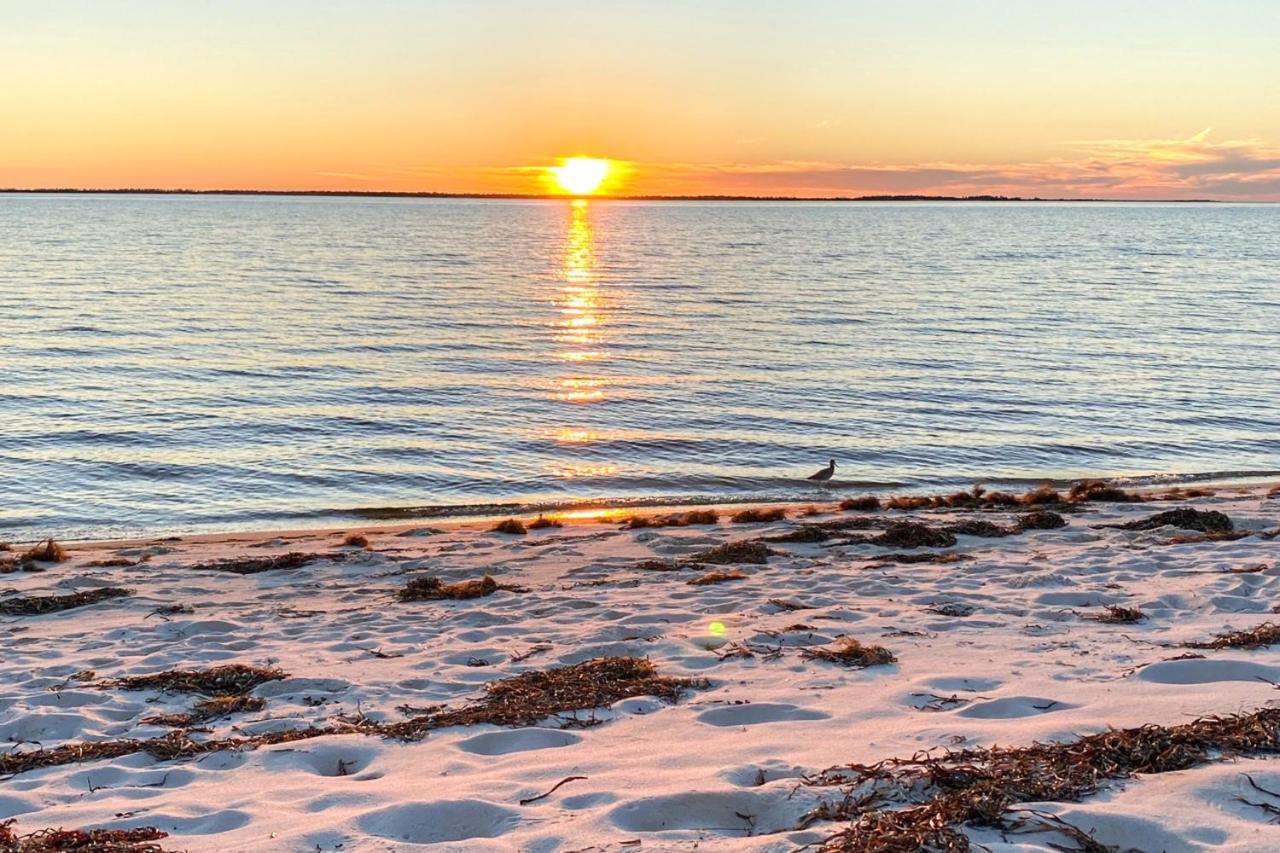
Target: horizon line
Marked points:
987	197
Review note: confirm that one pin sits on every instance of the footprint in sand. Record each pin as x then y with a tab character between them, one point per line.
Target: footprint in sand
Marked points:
1012	707
440	821
756	713
330	759
960	683
755	775
522	740
732	813
1207	670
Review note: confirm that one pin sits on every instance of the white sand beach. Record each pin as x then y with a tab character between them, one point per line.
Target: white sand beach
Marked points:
999	646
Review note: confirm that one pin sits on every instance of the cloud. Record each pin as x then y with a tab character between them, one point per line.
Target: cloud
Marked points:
1193	167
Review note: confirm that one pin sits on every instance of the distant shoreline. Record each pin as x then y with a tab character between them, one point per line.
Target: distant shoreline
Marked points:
557	197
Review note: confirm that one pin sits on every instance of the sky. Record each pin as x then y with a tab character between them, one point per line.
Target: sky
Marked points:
1055	98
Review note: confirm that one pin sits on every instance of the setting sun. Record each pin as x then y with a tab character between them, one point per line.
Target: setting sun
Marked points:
580	175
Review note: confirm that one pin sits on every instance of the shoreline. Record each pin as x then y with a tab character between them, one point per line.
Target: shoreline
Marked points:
571	515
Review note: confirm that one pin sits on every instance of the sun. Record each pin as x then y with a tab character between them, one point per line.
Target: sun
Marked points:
580	175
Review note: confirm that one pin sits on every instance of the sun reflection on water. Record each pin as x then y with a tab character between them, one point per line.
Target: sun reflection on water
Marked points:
580	337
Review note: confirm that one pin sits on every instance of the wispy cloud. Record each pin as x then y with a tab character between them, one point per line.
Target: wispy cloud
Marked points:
1193	167
1180	168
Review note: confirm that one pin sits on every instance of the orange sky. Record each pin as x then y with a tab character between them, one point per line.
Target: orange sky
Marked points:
814	98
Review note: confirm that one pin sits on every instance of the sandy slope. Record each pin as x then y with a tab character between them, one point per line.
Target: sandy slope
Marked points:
717	771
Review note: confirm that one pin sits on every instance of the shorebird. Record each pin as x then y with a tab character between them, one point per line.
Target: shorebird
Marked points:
825	473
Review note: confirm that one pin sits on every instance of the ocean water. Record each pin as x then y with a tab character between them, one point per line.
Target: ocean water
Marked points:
175	364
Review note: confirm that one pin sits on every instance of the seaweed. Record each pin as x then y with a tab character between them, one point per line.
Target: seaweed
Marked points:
803	533
542	522
510	526
657	566
754	516
1100	490
909	534
355	540
1210	521
254	565
47	551
864	503
911	502
745	551
231	679
849	652
929	557
521	700
1194	538
1261	636
1114	614
531	697
137	840
209	709
922	802
675	519
432	589
716	577
36	605
1041	496
1043	519
979	527
822	531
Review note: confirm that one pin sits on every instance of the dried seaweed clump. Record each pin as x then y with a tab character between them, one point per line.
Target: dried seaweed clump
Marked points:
1043	519
47	551
755	516
1210	521
1193	538
927	557
745	551
356	540
1115	614
1041	496
849	652
865	503
910	502
35	605
209	709
542	522
532	697
1178	493
519	701
921	803
254	565
1266	634
511	526
138	840
1100	490
909	534
231	679
675	519
716	577
979	527
173	746
432	589
657	566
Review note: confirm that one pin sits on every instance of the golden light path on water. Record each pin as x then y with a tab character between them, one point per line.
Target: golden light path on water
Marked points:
580	334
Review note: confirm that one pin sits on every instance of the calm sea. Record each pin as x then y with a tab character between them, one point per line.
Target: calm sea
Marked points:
190	363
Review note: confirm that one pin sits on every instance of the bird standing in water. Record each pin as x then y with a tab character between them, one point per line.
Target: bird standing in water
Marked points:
825	473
